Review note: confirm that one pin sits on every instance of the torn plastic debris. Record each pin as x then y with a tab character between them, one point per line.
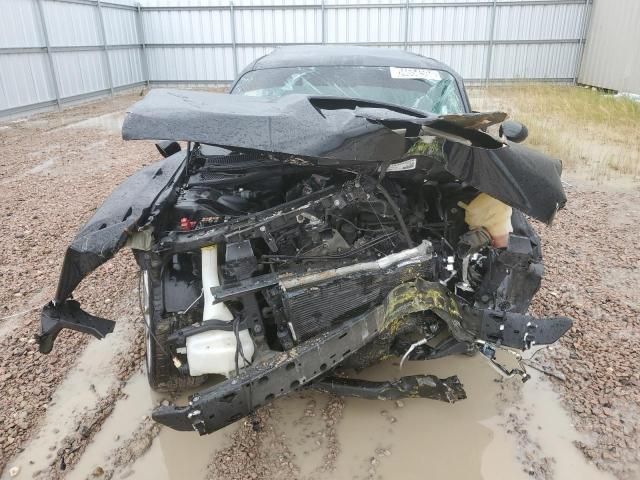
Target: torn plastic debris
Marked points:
448	390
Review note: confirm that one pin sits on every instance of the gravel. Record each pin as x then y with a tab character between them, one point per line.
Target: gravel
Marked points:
257	450
260	449
73	446
136	446
332	414
51	180
515	419
592	275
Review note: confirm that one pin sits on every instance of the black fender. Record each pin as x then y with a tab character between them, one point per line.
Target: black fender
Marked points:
135	201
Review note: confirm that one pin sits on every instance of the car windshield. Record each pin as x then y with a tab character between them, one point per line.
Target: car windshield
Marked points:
426	90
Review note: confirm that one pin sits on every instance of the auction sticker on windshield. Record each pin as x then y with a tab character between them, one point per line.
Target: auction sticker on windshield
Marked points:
423	73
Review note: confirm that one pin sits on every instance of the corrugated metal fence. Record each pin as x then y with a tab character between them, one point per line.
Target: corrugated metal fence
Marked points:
56	51
612	60
60	51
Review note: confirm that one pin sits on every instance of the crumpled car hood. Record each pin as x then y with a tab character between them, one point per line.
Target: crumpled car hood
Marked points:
341	131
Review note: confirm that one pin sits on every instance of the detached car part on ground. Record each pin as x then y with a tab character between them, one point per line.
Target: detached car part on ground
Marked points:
300	236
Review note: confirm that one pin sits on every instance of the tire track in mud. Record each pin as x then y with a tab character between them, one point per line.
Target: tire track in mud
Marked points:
516	419
73	446
90	422
257	450
332	414
132	449
261	449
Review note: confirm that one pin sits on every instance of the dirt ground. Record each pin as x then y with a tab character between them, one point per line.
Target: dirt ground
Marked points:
83	411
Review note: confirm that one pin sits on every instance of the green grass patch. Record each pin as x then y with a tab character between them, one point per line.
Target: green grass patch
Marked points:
589	130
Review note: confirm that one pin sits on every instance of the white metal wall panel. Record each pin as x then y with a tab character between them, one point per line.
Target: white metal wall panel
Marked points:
365	25
360	2
172	3
539	22
612	52
126	66
449	23
278	26
183	26
80	72
28	83
468	60
25	78
534	61
458	35
224	3
246	55
120	26
199	41
191	64
71	24
20	24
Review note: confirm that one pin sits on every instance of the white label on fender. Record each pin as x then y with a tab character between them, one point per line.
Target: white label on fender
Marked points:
402	166
424	73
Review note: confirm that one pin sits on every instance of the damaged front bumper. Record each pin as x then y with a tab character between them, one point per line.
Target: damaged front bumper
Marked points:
227	402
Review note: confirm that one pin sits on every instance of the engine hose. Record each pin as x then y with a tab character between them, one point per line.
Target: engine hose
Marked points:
396	211
347	254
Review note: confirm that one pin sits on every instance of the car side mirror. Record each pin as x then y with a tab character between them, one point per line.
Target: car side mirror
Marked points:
168	148
514	131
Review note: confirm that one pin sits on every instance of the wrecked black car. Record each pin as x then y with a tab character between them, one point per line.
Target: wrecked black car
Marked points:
340	206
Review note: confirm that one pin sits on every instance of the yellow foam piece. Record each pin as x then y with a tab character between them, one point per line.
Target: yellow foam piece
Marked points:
486	212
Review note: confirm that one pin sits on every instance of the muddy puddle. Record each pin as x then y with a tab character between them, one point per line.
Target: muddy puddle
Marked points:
90	380
504	429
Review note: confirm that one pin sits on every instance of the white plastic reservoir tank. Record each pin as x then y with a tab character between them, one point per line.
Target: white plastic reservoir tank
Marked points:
214	351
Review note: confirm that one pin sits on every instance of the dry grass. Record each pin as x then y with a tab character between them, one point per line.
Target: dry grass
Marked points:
593	133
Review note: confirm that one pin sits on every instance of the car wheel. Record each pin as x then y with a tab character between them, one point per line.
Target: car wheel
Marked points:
162	374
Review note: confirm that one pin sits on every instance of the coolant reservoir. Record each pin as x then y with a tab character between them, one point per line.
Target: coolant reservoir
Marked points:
494	216
214	351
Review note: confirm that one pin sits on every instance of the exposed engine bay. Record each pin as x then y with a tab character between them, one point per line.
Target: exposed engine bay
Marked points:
268	271
332	244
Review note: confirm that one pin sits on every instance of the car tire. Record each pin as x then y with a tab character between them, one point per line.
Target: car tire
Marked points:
162	374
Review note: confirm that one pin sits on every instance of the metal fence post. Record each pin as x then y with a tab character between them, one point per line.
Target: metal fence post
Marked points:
323	28
406	24
588	5
143	45
233	40
47	46
492	31
103	32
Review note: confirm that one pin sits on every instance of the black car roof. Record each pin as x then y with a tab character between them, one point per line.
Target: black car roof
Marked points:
329	55
341	55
